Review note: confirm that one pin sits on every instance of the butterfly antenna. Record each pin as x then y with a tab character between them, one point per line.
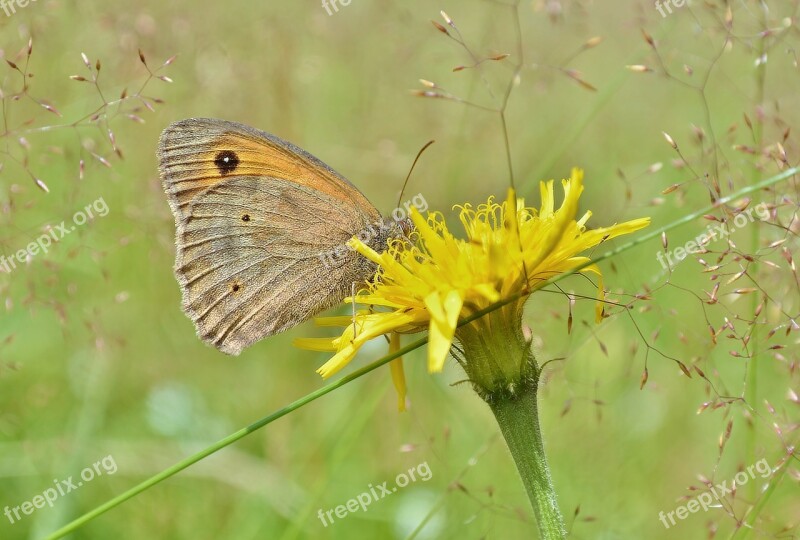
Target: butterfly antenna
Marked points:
421	150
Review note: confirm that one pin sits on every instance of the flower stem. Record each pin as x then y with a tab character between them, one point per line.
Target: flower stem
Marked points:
518	417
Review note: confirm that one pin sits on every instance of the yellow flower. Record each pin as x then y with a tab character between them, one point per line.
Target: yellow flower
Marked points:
431	279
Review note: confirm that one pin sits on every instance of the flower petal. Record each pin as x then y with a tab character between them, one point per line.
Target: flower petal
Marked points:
444	317
315	344
398	375
370	327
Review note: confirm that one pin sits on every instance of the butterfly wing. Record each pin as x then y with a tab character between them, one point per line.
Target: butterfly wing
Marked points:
255	217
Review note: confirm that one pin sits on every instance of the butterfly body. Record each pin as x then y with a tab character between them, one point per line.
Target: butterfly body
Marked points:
255	217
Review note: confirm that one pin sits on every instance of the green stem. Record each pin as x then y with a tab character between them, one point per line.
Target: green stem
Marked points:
499	362
518	417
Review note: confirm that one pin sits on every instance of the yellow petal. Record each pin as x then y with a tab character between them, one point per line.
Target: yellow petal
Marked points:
548	200
488	291
315	344
338	361
339	320
510	220
375	325
364	249
444	317
561	221
601	293
374	300
398	375
431	239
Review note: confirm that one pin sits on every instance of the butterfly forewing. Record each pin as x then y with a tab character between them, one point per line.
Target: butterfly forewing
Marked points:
197	153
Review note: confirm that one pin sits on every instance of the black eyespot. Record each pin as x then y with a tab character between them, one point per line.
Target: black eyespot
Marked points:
226	161
235	287
246	217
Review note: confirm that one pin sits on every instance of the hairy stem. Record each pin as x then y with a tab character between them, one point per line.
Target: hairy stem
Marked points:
518	417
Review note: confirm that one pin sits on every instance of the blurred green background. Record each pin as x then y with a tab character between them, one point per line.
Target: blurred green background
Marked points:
97	359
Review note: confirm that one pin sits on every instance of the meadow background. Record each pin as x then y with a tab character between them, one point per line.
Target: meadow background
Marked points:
97	359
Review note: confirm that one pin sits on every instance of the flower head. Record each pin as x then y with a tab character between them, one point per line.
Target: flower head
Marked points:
431	279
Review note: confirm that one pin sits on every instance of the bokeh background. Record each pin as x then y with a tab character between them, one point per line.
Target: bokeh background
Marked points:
97	359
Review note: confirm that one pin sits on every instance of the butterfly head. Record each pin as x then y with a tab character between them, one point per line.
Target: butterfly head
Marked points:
380	235
406	226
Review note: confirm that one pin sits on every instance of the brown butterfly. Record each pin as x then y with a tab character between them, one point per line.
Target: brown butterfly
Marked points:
257	219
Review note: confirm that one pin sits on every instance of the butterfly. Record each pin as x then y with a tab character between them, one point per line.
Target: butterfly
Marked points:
257	219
